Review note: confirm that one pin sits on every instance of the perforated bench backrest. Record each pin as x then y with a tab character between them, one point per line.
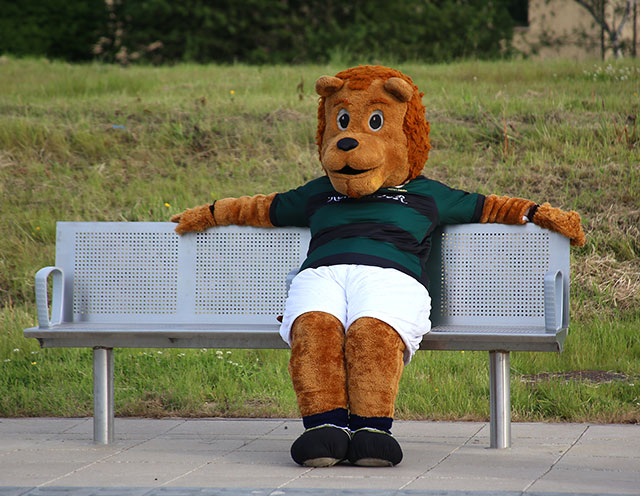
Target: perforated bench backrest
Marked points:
475	269
138	272
141	272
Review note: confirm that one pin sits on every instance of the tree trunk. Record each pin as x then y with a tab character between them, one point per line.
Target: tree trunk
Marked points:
634	47
603	24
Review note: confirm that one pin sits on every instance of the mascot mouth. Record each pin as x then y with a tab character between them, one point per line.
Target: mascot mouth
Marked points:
347	170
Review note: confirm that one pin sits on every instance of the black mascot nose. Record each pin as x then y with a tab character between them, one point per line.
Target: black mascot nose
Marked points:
346	144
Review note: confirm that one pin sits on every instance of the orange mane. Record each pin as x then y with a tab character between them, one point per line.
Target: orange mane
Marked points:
415	126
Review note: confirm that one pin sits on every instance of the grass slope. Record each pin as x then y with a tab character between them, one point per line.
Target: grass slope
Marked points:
98	142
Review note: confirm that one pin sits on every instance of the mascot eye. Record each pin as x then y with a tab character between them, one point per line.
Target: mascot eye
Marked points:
376	120
343	119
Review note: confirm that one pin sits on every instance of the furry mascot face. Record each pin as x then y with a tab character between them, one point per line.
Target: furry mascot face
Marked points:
372	131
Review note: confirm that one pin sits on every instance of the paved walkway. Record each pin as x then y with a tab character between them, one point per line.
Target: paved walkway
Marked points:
177	457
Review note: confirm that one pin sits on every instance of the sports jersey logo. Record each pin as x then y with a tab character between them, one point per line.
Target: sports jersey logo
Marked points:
336	199
380	196
400	198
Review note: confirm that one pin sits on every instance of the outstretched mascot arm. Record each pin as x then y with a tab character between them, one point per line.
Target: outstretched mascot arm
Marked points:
506	210
244	211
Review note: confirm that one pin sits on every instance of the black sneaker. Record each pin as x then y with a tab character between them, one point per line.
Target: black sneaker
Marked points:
374	448
321	446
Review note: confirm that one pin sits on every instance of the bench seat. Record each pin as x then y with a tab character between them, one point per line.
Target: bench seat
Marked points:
493	288
265	336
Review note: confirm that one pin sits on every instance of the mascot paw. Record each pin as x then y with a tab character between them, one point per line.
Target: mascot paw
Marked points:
194	219
321	446
565	223
374	448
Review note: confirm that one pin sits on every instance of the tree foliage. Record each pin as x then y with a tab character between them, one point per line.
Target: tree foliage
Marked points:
257	31
62	29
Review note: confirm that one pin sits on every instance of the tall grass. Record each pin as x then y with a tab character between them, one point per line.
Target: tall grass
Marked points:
98	142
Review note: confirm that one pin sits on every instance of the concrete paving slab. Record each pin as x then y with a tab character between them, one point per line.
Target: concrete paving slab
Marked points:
222	474
30	428
9	445
336	483
116	472
477	465
184	457
189	491
288	428
258	460
615	464
270	445
22	473
616	447
472	485
420	458
449	430
620	431
589	482
134	428
525	433
228	427
14	491
170	447
88	491
52	452
362	477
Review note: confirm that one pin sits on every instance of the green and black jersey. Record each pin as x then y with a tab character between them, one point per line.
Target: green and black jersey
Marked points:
390	228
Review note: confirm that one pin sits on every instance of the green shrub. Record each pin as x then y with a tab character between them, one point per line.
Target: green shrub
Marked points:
62	29
257	31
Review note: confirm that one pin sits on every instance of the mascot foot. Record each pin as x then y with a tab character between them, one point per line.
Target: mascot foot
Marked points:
321	446
374	448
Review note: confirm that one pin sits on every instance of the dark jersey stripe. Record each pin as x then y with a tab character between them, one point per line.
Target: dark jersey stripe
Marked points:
387	233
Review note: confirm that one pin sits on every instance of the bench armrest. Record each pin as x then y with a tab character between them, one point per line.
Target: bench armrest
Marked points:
553	300
42	298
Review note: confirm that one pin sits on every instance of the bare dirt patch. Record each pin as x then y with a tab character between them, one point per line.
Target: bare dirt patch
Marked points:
593	376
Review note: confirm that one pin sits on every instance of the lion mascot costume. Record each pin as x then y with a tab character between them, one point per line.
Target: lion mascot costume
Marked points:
357	310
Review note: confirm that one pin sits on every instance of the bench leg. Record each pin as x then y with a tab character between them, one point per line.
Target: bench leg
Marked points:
102	395
500	398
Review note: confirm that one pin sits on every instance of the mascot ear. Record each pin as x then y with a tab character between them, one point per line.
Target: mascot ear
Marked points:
399	88
328	85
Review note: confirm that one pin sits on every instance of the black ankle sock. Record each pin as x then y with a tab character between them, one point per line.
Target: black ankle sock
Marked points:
380	423
339	417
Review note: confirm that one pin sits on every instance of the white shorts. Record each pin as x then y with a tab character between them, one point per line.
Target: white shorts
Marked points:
350	292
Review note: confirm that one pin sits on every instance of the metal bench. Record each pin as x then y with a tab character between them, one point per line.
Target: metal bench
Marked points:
494	288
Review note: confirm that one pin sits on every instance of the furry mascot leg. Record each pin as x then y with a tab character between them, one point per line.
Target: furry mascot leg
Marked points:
318	373
374	355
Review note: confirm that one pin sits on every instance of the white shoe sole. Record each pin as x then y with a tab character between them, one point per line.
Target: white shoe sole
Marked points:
322	462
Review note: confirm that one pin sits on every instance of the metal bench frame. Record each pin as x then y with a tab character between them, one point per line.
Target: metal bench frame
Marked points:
494	288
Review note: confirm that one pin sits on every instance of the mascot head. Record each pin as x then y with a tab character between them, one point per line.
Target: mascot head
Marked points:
372	131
